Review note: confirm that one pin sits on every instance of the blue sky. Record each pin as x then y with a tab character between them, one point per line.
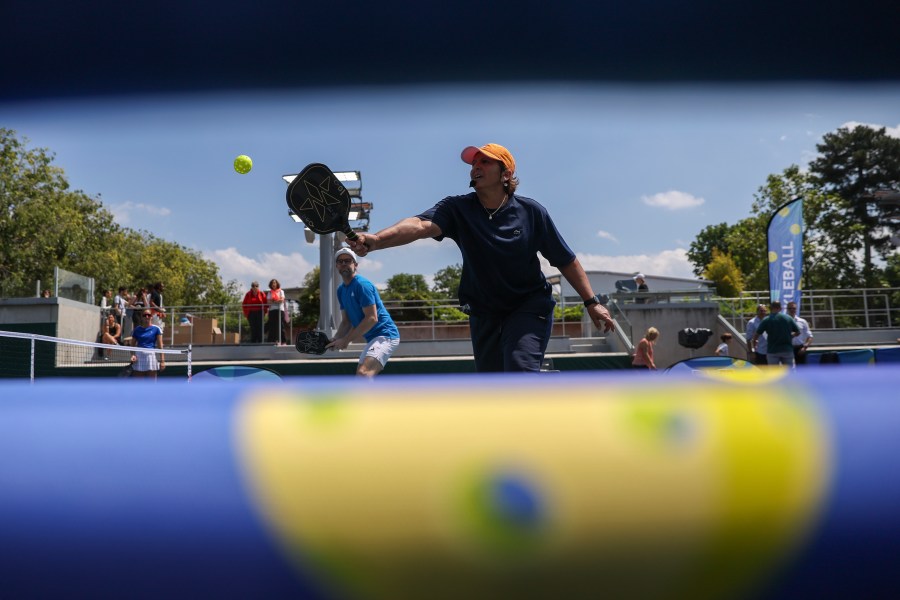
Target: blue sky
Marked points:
630	174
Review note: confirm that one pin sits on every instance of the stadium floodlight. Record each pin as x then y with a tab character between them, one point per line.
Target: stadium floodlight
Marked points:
348	176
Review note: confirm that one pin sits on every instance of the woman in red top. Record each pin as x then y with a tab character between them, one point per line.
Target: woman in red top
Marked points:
255	306
643	355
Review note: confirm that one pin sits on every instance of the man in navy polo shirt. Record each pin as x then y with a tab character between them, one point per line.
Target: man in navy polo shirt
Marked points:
502	288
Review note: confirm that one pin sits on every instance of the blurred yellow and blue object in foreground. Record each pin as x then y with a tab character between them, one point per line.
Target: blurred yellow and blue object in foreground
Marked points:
466	487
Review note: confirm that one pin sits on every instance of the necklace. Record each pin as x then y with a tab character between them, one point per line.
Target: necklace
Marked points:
491	214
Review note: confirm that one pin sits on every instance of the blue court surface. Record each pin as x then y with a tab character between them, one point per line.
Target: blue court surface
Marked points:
707	483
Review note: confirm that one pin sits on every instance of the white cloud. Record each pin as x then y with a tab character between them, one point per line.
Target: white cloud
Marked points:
607	236
891	131
125	211
672	200
288	269
668	263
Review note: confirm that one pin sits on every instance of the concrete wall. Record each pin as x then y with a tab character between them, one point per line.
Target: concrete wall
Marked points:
604	282
669	319
70	319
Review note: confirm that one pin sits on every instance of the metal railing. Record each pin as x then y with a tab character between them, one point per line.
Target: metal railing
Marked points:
864	308
229	321
442	319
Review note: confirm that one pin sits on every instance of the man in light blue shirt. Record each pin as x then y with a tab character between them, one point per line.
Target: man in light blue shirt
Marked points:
363	315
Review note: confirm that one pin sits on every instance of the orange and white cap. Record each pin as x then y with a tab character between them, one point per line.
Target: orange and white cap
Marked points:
495	151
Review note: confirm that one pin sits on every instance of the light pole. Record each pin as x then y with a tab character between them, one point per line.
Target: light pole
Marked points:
330	242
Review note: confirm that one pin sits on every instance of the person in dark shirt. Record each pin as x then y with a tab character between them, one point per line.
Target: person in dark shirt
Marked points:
641	288
780	330
502	288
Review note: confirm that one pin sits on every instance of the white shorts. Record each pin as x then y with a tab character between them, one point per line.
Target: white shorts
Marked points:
380	349
146	361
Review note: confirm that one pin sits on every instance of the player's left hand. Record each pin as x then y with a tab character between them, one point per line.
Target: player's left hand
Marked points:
601	318
338	344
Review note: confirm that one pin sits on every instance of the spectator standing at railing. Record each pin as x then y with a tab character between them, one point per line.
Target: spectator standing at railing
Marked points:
120	303
275	299
801	342
642	287
139	302
156	303
122	308
106	304
757	347
255	305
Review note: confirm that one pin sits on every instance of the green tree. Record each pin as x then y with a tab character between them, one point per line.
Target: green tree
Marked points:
412	290
828	232
723	271
826	245
43	224
310	300
711	237
446	282
892	271
853	164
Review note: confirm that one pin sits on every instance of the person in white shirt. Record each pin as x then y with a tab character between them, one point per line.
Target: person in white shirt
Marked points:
722	349
801	342
275	328
120	303
758	353
105	306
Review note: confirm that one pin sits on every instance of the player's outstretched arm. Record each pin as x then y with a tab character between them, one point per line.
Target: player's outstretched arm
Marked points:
401	233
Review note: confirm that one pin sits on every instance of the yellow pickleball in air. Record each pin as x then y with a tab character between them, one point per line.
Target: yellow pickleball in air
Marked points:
243	164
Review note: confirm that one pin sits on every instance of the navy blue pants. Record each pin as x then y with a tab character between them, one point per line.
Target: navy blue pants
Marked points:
513	341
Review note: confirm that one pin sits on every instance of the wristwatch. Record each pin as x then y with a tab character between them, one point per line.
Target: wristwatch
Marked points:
592	300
